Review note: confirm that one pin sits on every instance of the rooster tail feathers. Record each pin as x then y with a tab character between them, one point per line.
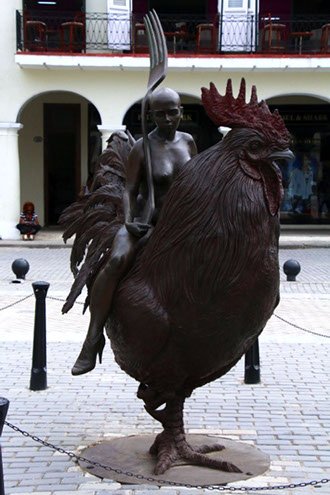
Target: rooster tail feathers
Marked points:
96	217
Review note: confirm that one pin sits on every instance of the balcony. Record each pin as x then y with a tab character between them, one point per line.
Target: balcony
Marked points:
188	36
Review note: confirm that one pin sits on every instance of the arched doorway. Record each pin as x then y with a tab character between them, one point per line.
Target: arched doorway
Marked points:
194	121
306	180
58	146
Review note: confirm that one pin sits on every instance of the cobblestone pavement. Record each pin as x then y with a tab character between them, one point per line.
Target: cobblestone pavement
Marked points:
287	415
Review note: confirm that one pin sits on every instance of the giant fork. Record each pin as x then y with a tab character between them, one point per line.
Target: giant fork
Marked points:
157	73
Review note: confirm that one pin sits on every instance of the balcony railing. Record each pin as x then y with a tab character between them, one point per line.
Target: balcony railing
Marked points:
186	35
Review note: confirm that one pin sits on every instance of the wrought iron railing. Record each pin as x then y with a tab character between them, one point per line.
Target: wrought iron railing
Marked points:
186	34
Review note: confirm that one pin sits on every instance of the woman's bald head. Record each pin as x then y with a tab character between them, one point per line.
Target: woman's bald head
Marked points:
164	95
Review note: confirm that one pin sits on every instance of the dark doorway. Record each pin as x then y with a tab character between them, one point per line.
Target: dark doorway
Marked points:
61	158
306	180
94	137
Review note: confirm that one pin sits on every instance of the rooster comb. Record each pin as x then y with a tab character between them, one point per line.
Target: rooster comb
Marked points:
235	112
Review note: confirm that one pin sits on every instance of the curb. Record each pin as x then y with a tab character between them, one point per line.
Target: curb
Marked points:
284	243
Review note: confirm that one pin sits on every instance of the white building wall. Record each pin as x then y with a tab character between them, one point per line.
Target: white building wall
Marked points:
96	5
9	173
114	88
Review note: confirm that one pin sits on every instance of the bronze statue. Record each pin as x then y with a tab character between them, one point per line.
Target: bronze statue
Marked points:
201	289
170	150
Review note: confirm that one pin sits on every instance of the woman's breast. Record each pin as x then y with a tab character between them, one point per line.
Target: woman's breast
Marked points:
163	173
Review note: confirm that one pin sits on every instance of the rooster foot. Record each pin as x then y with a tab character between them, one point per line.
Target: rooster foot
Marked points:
168	448
171	445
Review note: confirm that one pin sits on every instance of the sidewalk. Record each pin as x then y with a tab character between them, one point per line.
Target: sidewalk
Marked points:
290	238
286	415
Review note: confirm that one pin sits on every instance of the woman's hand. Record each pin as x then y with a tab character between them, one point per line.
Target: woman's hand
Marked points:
137	229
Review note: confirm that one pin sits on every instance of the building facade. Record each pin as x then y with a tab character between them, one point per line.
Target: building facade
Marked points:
72	71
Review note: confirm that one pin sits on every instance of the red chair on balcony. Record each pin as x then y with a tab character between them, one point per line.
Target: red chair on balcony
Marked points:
72	35
325	38
206	38
273	37
35	36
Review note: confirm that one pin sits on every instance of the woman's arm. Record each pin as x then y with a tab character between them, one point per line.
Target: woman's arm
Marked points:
133	181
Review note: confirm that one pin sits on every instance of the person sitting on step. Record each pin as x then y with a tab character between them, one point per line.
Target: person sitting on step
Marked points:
28	223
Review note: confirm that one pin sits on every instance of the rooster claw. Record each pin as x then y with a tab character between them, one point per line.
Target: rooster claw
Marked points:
167	449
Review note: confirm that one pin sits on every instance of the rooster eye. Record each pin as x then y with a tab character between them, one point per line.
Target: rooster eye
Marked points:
255	145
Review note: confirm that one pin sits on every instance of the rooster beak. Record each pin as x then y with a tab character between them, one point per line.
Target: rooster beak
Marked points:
286	155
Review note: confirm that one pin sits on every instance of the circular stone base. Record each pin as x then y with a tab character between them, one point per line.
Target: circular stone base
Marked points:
132	454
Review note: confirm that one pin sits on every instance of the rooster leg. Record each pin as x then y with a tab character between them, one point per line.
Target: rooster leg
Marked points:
153	400
171	444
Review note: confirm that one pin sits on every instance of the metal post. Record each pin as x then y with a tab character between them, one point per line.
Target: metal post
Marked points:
39	373
4	404
291	269
252	364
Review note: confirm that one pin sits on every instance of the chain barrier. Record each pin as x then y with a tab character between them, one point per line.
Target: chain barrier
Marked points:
62	300
79	302
16	302
301	328
30	295
141	477
279	317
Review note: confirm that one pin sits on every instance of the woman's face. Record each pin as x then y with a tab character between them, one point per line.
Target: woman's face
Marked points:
166	111
168	116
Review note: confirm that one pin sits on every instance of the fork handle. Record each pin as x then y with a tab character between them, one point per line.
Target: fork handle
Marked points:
150	206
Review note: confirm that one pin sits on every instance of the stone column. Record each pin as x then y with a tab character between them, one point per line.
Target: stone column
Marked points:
107	130
10	199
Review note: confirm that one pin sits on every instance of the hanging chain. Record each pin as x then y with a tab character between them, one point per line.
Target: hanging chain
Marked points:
141	477
16	302
279	317
301	328
62	300
79	302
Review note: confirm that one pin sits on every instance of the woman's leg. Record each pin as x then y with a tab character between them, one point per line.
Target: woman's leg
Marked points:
22	228
105	284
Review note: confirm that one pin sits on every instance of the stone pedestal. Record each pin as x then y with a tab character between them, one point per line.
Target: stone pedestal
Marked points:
131	454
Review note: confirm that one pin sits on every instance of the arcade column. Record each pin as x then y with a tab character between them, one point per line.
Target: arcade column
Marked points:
10	200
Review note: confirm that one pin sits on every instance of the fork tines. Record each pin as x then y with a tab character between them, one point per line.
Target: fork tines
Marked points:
156	42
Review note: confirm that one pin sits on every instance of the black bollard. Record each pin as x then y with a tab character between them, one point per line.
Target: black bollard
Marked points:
20	267
4	404
291	269
39	372
252	364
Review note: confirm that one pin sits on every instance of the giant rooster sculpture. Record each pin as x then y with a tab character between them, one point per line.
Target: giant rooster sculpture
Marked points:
203	287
